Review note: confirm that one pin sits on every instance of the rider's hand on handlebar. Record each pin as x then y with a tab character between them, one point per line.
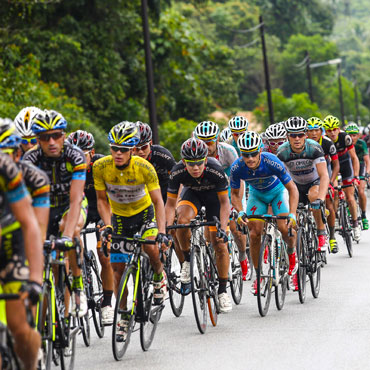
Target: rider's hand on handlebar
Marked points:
292	220
317	204
32	291
106	233
222	236
64	243
242	218
164	240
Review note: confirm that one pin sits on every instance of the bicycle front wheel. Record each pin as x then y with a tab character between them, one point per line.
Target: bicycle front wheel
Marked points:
315	266
212	298
302	264
124	312
68	354
346	229
282	279
236	278
198	288
264	276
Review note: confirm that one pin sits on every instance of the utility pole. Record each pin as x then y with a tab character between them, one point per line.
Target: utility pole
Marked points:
339	66
266	68
309	77
149	72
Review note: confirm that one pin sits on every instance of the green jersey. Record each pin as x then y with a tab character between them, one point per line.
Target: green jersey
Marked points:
361	150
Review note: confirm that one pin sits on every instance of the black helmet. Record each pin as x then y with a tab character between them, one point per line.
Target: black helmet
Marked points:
145	133
193	149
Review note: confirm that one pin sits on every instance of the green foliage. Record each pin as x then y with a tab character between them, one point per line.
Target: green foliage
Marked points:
173	133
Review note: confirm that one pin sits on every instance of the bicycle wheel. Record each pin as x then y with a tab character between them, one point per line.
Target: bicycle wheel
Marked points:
264	276
198	288
236	278
45	325
212	298
125	310
96	293
174	283
314	265
251	267
346	229
67	354
302	265
85	328
282	278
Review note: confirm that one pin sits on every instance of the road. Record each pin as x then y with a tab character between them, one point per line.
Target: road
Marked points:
330	332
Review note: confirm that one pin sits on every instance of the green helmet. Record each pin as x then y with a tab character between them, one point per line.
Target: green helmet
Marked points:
352	128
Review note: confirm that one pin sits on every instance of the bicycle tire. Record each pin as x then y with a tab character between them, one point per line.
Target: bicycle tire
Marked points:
315	264
264	276
251	267
173	277
96	290
212	299
236	278
346	231
45	325
67	355
85	329
302	264
282	279
128	283
198	289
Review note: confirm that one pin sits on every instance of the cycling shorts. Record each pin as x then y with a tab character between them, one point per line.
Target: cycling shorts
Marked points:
196	200
346	170
259	201
304	189
57	213
13	266
143	223
362	172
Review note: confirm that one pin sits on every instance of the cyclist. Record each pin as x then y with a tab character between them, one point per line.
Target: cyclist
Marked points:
237	126
23	124
20	239
134	205
36	180
208	132
363	156
269	183
305	161
225	134
349	166
160	157
315	131
85	141
204	184
65	166
275	136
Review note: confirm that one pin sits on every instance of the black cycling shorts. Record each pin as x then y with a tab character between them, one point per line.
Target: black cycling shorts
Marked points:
303	191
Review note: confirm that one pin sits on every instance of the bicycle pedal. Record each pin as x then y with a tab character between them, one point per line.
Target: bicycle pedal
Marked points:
185	289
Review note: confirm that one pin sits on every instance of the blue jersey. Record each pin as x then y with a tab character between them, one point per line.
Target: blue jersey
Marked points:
270	173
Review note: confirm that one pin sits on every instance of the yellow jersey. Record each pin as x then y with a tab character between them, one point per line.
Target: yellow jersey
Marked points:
127	189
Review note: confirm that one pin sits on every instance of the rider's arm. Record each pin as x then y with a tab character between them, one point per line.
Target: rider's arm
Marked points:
42	216
223	198
355	161
160	216
103	206
293	196
236	199
75	200
23	212
322	171
335	170
367	162
170	208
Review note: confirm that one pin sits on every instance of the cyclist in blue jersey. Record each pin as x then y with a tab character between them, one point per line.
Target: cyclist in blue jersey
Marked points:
306	163
237	126
269	183
208	132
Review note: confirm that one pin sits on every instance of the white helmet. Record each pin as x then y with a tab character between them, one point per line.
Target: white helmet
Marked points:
225	134
23	121
238	124
207	130
295	124
249	141
276	131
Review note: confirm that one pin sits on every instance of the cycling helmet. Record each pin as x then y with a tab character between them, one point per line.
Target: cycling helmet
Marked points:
352	128
193	149
314	123
276	131
225	134
295	124
83	139
249	142
23	121
207	130
9	137
48	120
145	132
126	134
331	122
238	124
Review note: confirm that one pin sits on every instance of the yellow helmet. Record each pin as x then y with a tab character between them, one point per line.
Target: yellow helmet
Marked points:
331	122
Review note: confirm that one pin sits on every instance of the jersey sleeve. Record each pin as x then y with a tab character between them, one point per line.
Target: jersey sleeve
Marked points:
175	180
78	164
333	151
151	177
38	185
348	142
365	148
234	176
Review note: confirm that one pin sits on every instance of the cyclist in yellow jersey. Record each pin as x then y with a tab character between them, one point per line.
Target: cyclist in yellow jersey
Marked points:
134	205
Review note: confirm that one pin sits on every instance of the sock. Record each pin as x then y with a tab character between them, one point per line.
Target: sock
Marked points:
107	298
77	282
355	223
332	232
321	232
291	250
158	277
187	256
222	286
242	256
363	214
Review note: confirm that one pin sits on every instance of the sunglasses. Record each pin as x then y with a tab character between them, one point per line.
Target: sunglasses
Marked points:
121	149
250	155
209	142
143	147
272	143
47	137
28	140
195	163
300	135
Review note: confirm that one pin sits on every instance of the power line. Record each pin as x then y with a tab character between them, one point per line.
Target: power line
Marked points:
247	44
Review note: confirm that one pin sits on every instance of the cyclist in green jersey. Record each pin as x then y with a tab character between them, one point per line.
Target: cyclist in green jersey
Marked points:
363	156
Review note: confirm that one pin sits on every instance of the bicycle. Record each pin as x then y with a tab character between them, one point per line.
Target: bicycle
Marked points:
273	265
134	301
310	259
93	289
57	331
203	272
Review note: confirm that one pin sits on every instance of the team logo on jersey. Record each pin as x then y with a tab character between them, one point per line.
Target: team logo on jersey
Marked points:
253	209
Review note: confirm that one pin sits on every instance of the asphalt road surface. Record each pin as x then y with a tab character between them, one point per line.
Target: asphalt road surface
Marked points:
330	332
